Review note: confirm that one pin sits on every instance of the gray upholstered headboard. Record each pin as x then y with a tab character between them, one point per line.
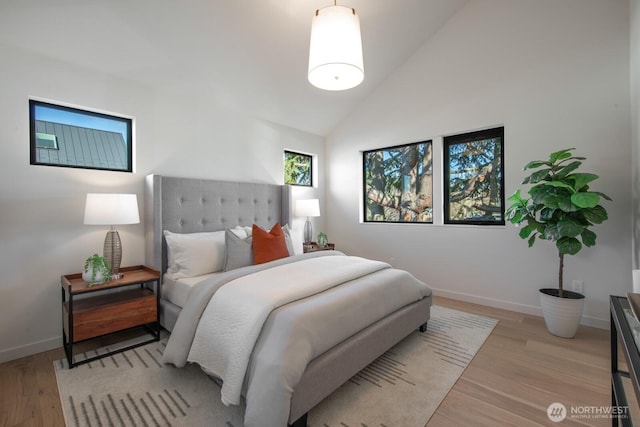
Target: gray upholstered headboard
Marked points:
187	205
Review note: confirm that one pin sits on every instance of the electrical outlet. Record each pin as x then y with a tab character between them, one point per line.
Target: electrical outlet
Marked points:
576	286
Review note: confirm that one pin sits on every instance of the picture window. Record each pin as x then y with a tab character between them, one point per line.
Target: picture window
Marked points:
70	137
474	178
398	183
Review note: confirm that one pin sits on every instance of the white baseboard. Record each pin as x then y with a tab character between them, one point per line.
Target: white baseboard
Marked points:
30	349
511	306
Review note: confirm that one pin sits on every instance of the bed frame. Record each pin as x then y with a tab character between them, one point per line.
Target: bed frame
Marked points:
186	205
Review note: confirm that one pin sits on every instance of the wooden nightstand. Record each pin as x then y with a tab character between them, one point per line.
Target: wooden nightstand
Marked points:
99	313
313	247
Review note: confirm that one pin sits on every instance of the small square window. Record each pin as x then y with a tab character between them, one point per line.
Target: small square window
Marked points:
45	140
298	169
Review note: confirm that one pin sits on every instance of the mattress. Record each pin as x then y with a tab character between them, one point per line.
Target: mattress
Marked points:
177	291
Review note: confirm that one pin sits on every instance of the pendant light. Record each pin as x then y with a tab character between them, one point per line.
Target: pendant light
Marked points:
335	51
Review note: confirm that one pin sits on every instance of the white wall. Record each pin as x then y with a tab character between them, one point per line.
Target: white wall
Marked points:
555	73
42	235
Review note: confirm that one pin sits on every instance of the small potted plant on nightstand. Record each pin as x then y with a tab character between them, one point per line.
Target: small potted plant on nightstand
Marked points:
322	240
562	209
96	270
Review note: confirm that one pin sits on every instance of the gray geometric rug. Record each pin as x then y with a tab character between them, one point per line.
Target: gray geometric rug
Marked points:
402	388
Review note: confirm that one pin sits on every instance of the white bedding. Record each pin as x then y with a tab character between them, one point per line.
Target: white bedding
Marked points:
294	333
234	317
177	291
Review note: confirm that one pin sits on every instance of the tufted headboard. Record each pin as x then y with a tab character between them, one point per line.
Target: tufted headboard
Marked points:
188	205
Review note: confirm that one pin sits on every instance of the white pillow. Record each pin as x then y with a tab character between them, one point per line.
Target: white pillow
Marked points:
194	254
287	239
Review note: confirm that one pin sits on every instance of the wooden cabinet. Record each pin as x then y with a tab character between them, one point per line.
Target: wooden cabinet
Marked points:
94	311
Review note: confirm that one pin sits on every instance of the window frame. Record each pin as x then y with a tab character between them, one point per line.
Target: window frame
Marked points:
33	147
428	146
284	163
466	138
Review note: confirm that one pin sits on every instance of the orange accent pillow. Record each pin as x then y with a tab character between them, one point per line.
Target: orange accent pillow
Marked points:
268	246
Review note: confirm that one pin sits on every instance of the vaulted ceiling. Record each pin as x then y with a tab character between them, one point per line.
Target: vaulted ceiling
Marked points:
249	56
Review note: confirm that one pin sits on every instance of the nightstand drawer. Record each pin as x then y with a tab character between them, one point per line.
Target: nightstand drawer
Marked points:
100	315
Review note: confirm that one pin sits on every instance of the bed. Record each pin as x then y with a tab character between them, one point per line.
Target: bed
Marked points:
177	207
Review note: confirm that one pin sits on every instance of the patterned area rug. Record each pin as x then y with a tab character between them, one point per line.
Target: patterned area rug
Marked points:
402	388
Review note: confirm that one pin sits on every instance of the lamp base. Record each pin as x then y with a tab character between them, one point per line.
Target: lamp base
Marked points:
308	232
112	252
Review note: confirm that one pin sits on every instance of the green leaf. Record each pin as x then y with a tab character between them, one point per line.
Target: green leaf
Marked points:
531	240
582	179
555	201
569	245
535	164
546	214
585	200
552	197
538	176
566	170
515	197
525	231
565	204
559	184
514	216
595	215
551	232
588	237
604	196
560	155
516	212
539	192
569	228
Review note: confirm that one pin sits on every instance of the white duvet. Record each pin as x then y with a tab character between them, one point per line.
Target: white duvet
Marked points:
233	319
283	328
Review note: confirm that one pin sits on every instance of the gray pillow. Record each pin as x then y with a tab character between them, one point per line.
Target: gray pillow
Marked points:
239	252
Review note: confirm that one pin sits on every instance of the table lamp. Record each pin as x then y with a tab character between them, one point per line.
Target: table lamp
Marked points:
112	209
308	208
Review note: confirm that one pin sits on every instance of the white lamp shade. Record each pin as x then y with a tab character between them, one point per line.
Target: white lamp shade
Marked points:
335	50
111	209
308	207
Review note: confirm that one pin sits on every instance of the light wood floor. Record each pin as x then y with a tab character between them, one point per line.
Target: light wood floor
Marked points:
521	369
516	375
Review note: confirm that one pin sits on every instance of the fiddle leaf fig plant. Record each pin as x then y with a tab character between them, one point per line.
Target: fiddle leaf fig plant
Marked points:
561	208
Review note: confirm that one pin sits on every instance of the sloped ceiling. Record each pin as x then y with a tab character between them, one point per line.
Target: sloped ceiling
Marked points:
249	56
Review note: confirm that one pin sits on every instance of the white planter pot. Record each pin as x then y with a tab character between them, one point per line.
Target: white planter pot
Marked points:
561	315
86	276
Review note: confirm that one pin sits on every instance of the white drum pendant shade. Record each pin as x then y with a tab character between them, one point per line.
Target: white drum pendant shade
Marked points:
335	51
